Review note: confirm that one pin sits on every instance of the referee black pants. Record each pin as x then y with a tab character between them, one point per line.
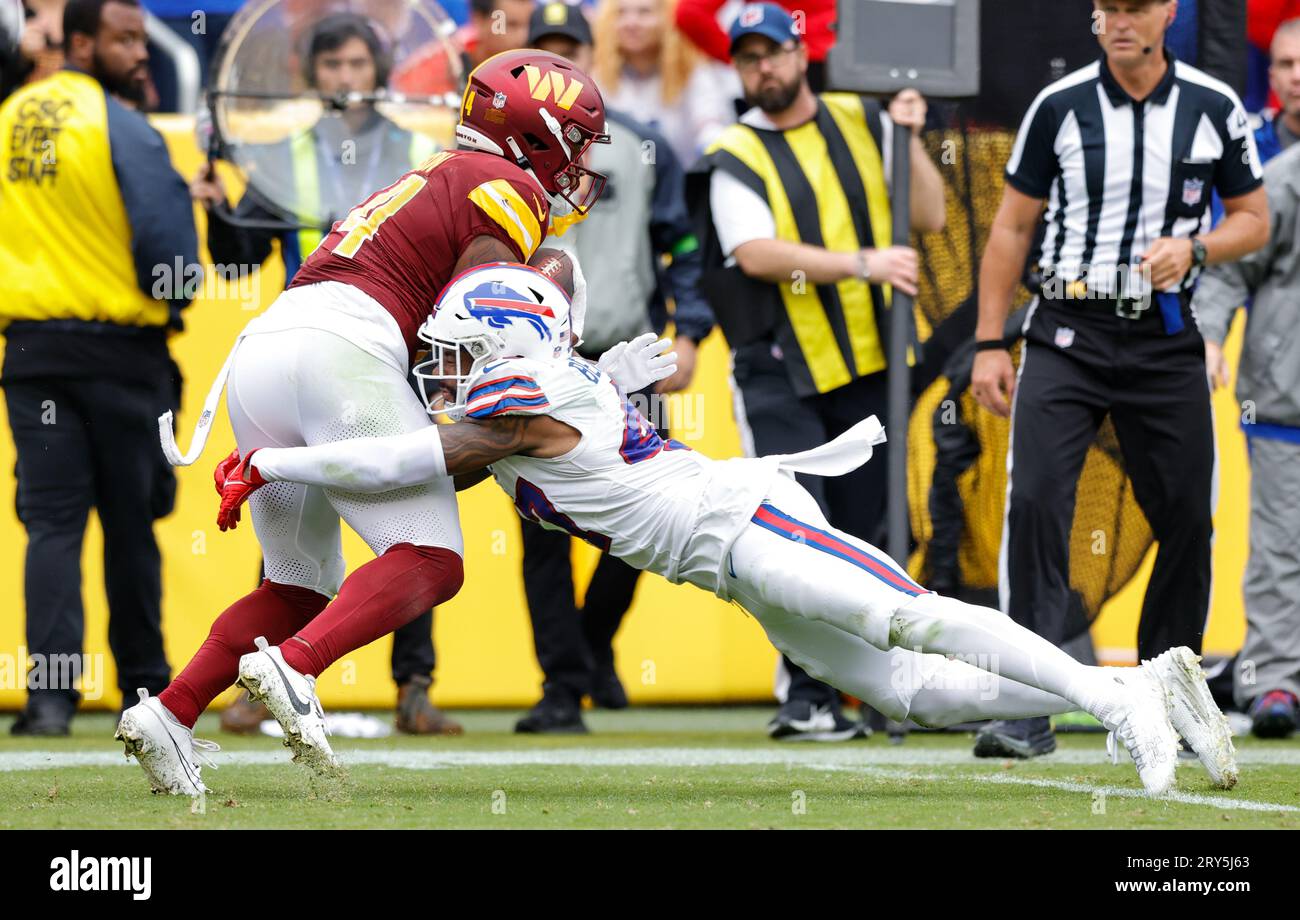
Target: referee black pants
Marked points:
780	422
1077	367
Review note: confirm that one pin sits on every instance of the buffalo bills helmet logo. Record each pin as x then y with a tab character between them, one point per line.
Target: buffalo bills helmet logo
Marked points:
497	306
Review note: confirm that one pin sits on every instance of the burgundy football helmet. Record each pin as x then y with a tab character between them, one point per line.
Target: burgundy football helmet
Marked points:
537	109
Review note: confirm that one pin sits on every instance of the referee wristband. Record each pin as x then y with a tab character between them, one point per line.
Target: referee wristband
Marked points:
991	345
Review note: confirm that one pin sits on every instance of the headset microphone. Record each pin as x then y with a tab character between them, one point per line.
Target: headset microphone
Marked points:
1148	49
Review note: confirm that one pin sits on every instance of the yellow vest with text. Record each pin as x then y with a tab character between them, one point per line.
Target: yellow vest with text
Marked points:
65	239
824	182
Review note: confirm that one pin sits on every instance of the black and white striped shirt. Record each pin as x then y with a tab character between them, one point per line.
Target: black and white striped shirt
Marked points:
1119	174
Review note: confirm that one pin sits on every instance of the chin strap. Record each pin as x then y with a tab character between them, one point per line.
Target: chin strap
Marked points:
553	125
520	160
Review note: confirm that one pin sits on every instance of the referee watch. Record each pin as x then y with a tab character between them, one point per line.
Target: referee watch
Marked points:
1198	253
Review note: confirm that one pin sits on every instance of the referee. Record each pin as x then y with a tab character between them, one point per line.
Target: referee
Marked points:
1125	152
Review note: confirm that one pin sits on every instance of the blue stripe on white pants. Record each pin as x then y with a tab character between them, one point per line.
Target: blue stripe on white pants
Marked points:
774	574
803	577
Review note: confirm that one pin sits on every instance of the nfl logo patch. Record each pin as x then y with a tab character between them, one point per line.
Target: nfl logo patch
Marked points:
1192	190
1064	336
499	102
751	16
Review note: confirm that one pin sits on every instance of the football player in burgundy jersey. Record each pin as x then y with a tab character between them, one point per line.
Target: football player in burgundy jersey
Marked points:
330	360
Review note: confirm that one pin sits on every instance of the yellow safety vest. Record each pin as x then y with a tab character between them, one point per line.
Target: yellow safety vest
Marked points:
65	239
825	184
302	148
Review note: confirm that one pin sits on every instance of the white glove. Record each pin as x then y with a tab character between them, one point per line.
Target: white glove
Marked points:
636	364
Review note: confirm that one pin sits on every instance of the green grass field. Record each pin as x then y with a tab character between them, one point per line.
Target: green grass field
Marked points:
642	768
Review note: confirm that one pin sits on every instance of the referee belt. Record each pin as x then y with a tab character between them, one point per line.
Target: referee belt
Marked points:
1135	309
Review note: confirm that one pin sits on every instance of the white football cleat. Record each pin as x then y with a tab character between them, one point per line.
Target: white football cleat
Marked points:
168	751
291	697
1141	723
1195	715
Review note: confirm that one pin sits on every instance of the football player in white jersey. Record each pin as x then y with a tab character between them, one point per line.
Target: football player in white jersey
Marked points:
560	438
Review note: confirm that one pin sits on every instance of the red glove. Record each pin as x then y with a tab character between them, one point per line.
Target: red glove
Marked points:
241	479
224	469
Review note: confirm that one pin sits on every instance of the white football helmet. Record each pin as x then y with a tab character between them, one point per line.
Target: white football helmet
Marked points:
489	313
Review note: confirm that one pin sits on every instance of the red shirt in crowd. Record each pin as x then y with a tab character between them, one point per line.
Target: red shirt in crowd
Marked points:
698	19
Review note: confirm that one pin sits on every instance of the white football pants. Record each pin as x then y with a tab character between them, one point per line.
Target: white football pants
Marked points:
850	616
298	387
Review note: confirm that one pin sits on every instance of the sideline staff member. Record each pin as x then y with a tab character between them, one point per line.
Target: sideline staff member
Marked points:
98	254
799	200
1125	151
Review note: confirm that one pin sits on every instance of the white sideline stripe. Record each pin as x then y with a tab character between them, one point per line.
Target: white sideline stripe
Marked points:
1184	798
857	759
848	755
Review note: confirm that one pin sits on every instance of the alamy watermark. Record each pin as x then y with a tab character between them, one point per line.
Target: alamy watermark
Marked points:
974	673
181	280
681	414
37	671
1101	282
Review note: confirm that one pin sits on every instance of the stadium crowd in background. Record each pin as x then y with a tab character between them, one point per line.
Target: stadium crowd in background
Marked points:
701	22
644	65
99	255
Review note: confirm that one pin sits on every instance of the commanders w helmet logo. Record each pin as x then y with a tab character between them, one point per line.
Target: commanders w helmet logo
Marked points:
543	85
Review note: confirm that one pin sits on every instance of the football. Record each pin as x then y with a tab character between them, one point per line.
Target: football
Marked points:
556	265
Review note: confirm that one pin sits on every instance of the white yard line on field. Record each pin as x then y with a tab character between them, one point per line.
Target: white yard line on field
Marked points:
1227	803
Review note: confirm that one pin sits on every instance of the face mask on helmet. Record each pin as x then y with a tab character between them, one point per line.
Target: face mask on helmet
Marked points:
572	187
540	111
444	378
575	184
486	314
